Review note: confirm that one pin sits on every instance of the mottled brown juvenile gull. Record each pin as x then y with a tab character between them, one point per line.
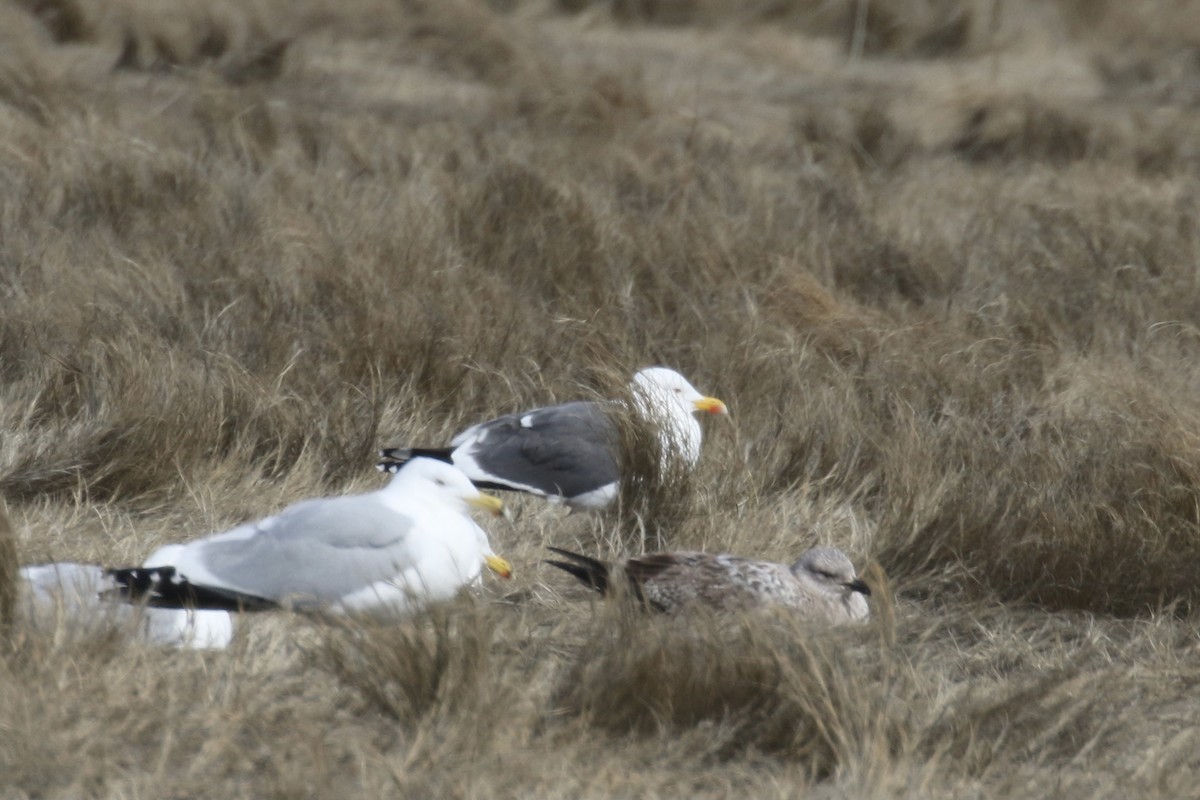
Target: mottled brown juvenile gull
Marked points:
569	453
78	597
821	584
388	552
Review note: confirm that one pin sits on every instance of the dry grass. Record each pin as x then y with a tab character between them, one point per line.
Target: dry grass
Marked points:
939	258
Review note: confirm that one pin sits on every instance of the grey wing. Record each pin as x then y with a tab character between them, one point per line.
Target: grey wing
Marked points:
566	450
313	553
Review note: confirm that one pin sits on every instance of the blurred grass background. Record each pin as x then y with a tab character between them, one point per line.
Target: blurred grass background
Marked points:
939	258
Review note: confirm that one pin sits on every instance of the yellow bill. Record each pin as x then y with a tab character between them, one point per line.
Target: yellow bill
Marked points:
498	565
488	503
710	405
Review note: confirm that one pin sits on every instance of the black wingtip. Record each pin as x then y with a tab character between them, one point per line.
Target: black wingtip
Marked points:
137	583
391	459
591	572
577	557
163	587
588	579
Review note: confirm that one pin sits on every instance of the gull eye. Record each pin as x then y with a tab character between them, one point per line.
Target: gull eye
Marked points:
440	481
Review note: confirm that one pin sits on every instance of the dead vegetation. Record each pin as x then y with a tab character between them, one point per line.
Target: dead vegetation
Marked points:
939	258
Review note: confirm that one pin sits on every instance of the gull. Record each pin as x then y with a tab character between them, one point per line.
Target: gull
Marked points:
389	552
821	584
569	453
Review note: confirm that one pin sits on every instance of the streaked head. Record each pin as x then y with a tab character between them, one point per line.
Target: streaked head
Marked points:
667	385
831	568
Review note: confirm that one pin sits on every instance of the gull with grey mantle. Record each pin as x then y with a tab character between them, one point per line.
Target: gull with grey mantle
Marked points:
821	584
569	453
388	553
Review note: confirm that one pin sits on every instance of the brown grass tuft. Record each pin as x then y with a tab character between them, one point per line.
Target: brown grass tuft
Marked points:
434	667
65	20
752	684
1007	129
10	575
905	28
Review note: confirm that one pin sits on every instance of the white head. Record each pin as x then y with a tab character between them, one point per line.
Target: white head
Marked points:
429	478
666	386
666	396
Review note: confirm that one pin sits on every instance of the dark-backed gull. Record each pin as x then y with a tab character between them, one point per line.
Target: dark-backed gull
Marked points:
569	453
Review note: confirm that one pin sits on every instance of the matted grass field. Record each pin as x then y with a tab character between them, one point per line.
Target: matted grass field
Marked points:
940	257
